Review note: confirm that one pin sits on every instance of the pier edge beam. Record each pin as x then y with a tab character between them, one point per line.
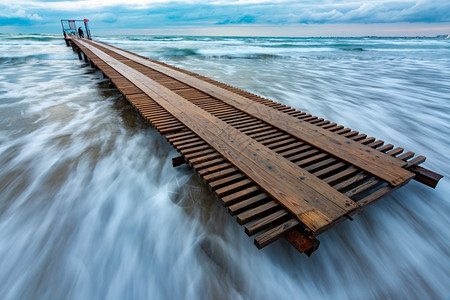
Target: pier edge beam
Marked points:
426	176
86	59
302	242
79	53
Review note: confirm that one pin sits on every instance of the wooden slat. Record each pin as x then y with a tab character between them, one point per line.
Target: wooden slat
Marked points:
266	222
215	168
220	174
248	203
271	235
254	213
239	196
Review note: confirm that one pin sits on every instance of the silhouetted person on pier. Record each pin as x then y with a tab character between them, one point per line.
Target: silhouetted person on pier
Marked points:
80	32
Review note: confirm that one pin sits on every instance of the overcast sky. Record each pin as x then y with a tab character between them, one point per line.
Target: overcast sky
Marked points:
240	17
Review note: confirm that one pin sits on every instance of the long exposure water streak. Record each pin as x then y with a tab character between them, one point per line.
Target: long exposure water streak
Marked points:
91	208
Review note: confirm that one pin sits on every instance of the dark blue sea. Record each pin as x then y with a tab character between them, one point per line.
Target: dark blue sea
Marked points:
91	208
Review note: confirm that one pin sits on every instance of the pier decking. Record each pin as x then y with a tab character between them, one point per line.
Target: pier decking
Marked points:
282	172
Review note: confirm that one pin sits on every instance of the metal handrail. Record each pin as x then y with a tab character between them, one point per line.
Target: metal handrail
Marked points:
71	27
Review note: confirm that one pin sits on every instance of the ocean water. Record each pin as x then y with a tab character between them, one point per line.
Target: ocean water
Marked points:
91	208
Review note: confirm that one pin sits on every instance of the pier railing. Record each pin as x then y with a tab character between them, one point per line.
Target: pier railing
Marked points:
71	27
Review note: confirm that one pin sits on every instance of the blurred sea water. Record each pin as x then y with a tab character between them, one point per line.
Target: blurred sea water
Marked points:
91	208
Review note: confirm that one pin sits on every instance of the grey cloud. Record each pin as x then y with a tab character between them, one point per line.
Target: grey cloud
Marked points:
207	14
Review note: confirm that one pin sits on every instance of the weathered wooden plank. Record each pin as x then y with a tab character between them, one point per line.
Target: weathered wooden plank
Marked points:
372	161
253	214
247	203
209	164
226	181
312	201
219	165
194	149
221	174
241	195
275	233
266	222
199	153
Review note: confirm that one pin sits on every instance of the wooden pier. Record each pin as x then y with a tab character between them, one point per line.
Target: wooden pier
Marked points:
281	171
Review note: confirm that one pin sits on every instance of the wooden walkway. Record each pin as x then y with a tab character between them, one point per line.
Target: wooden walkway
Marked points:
282	172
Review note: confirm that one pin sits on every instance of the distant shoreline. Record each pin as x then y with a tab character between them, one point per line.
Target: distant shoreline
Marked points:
440	36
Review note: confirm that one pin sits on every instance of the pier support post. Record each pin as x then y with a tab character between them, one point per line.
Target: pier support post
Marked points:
302	242
178	161
79	53
86	60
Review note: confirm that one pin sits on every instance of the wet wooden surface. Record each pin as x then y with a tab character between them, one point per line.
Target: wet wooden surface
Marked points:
280	171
